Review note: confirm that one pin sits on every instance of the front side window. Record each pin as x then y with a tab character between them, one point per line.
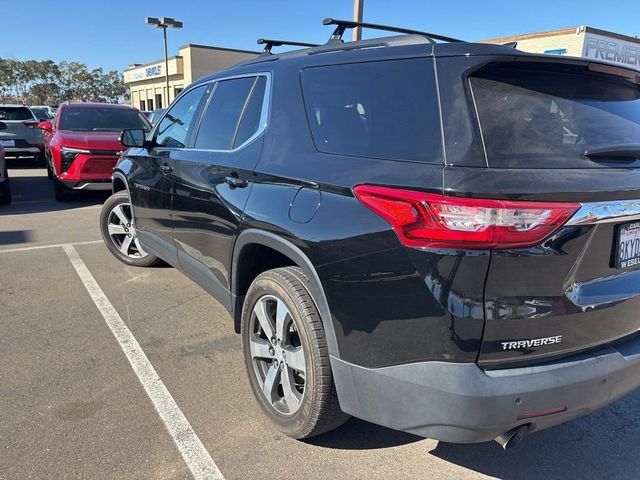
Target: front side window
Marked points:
101	119
175	126
385	109
220	121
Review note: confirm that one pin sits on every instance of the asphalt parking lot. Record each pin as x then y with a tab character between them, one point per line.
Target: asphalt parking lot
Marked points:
72	406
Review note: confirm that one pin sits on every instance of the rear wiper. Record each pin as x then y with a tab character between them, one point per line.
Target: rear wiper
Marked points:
623	151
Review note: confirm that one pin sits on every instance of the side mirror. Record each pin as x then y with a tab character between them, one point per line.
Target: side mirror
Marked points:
133	137
3	126
46	125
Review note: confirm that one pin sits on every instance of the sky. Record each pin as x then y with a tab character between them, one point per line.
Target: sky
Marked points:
111	33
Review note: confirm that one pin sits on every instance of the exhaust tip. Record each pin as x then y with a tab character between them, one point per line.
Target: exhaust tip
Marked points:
513	437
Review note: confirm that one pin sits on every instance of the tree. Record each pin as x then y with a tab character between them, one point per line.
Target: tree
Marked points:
45	82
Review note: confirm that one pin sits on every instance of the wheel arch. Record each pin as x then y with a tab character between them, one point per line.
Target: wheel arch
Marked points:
119	182
252	237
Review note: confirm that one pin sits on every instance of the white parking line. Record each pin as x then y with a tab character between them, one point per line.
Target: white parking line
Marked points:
191	448
55	245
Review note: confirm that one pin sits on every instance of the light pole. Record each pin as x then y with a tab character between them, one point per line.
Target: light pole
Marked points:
164	23
358	6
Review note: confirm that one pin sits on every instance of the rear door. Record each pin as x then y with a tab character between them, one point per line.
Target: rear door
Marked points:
214	179
560	132
152	175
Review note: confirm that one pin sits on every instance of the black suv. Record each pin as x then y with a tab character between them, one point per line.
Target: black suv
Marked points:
440	237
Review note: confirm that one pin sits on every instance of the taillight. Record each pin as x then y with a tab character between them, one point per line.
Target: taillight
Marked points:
438	221
30	124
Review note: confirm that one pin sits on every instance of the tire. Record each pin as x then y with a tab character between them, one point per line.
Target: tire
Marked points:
5	190
116	216
311	407
50	174
41	160
61	192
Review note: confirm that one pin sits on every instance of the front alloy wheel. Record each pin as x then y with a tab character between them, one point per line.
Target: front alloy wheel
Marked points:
119	232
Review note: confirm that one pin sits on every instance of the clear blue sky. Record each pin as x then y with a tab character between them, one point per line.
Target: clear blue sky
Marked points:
111	33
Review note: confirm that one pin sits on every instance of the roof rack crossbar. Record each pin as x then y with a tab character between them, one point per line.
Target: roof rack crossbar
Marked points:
269	44
342	25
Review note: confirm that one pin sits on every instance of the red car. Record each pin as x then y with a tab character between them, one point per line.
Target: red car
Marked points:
82	147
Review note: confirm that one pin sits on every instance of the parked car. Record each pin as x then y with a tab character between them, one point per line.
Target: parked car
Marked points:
19	134
452	251
41	114
154	116
51	111
82	145
5	185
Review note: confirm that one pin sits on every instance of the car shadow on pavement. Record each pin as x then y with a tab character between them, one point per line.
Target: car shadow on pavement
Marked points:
34	194
601	445
360	435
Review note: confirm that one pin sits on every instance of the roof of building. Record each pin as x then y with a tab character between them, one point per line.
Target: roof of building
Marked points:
224	49
562	31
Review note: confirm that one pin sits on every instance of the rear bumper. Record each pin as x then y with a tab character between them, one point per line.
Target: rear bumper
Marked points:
10	152
461	403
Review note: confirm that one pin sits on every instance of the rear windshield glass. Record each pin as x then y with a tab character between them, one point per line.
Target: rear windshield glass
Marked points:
101	119
15	113
384	109
548	115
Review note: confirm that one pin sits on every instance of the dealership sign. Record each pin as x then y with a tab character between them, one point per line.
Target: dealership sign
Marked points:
146	72
611	49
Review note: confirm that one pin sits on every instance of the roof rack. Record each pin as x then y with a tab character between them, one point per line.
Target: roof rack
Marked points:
269	44
342	25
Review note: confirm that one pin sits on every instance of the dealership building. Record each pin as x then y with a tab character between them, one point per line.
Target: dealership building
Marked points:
147	84
580	42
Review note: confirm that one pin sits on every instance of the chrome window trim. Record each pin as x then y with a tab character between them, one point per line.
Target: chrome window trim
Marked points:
606	212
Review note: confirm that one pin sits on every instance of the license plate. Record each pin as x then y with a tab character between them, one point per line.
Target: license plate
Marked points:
8	143
628	248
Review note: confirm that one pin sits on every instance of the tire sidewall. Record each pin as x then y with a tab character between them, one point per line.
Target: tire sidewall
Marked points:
293	425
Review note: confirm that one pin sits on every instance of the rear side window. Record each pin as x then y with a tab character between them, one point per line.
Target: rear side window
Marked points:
386	109
15	113
537	115
220	120
250	121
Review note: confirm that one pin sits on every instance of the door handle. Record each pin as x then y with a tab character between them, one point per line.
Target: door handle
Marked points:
235	182
166	169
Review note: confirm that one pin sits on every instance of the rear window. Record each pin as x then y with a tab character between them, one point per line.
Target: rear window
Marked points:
547	115
15	113
385	109
101	119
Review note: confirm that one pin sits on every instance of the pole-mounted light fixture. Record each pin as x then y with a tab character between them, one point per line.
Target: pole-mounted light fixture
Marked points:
164	23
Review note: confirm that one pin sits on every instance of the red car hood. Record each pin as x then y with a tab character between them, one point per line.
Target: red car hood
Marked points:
91	140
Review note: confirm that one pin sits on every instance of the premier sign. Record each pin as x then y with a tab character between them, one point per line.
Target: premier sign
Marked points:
146	72
611	49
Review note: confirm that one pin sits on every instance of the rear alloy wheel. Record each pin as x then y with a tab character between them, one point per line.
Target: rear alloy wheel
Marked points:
119	232
286	355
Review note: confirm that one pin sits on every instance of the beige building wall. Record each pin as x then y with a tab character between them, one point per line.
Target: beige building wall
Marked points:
146	83
200	60
571	39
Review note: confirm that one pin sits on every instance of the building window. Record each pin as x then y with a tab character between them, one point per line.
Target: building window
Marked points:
150	104
143	106
158	100
176	91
